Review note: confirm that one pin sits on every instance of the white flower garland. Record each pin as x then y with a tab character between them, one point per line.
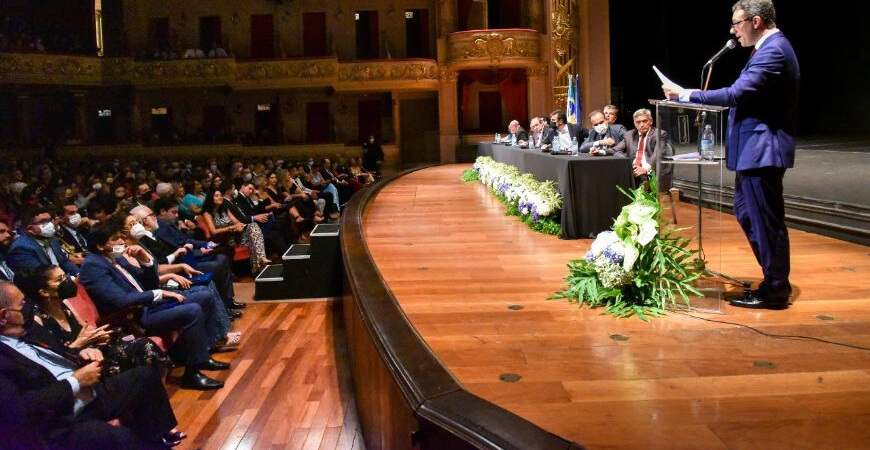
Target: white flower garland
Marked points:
534	198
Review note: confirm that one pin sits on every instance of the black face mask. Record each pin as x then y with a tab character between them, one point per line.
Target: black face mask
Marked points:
27	313
553	126
67	289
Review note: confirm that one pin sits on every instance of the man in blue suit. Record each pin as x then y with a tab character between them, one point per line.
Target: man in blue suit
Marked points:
38	246
760	143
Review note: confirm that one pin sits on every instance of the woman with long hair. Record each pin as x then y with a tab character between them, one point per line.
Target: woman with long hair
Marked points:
223	226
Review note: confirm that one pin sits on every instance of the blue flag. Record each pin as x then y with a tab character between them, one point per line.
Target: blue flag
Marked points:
577	105
572	105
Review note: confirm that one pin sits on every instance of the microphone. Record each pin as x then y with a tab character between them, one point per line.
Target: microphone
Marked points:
730	45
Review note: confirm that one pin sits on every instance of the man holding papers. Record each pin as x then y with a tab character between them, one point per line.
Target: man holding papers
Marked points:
760	143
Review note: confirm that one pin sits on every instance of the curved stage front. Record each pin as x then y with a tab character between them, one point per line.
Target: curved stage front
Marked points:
453	343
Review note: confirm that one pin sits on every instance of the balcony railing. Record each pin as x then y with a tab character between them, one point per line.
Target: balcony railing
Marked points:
515	47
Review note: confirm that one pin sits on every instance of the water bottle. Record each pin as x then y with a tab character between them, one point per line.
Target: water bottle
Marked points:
498	138
556	143
707	141
495	138
513	140
574	146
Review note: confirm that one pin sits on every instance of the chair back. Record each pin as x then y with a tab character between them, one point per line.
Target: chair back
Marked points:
83	306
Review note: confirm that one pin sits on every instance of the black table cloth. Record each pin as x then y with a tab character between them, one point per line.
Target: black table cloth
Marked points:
590	199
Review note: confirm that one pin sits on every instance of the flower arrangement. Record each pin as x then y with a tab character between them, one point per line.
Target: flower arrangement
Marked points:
538	204
635	269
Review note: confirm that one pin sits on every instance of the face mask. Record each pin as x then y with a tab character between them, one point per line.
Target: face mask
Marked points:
109	180
75	219
235	194
601	128
137	231
248	176
98	186
117	251
47	230
553	126
188	166
67	289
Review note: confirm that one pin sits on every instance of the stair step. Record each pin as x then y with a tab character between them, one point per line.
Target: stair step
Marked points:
323	229
272	272
297	251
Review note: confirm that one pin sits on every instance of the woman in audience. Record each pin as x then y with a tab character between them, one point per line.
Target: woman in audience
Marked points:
223	226
355	168
191	203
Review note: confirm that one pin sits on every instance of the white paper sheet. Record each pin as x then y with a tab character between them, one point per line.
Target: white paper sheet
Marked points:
667	81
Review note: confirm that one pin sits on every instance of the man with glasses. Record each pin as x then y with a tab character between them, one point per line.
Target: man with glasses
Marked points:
760	144
38	246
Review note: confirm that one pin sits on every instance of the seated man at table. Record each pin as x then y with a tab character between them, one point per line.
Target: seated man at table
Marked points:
644	148
603	138
564	131
535	129
519	134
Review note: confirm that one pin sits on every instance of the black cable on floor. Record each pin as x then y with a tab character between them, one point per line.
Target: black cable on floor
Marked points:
777	336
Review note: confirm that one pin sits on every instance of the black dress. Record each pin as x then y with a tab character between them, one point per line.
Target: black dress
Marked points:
120	354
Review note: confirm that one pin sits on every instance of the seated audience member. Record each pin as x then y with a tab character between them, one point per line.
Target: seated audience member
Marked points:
48	399
248	209
534	132
217	51
113	283
191	204
38	246
518	132
355	168
193	53
318	182
603	138
226	228
563	131
6	272
164	228
643	148
72	231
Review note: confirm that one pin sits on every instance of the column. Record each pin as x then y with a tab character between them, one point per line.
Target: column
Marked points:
81	120
539	95
448	114
395	160
594	55
25	118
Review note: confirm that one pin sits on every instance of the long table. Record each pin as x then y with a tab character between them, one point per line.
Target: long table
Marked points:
590	199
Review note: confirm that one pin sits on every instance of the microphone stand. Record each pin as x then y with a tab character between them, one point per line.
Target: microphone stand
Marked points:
699	123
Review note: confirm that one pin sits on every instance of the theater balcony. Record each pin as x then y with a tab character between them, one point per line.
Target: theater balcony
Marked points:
494	48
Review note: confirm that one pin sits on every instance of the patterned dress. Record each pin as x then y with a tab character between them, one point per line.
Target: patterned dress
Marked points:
251	237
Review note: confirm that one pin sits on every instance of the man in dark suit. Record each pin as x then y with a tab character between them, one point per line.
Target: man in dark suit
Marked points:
164	228
6	272
38	246
114	283
74	228
564	131
275	233
645	136
517	131
49	400
760	144
603	137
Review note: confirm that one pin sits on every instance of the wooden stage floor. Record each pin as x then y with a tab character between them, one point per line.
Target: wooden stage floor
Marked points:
474	283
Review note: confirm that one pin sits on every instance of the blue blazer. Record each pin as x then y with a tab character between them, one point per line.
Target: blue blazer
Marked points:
109	288
763	101
171	234
26	253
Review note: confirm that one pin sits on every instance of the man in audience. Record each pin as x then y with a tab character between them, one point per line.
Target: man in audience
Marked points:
643	147
603	137
72	231
47	399
38	246
6	273
563	131
114	283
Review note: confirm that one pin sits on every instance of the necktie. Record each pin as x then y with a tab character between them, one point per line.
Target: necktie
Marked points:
7	272
639	159
129	277
49	252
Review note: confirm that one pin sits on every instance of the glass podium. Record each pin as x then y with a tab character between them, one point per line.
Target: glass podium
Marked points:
702	175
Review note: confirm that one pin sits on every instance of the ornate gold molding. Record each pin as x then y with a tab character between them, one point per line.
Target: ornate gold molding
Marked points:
297	70
183	72
516	48
564	31
388	71
50	69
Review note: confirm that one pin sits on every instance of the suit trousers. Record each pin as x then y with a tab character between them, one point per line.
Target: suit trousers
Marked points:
219	266
136	397
760	209
191	346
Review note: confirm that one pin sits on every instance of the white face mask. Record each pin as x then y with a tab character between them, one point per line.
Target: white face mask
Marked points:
97	186
117	251
75	219
601	128
137	231
47	230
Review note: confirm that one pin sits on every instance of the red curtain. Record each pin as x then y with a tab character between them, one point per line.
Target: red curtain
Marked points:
262	36
314	34
369	119
464	12
317	122
511	85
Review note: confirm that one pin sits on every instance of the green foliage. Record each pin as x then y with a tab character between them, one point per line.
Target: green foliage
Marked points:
662	273
470	175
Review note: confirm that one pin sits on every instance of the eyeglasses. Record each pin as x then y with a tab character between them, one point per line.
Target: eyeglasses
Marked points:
736	24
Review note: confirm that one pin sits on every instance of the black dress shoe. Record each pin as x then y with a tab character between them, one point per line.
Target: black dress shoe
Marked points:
193	379
234	314
237	305
211	364
753	300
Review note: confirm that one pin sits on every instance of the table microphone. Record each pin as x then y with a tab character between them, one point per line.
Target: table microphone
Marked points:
730	45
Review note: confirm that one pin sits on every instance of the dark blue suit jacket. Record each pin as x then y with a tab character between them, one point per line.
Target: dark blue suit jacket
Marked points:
171	234
26	253
763	101
110	290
